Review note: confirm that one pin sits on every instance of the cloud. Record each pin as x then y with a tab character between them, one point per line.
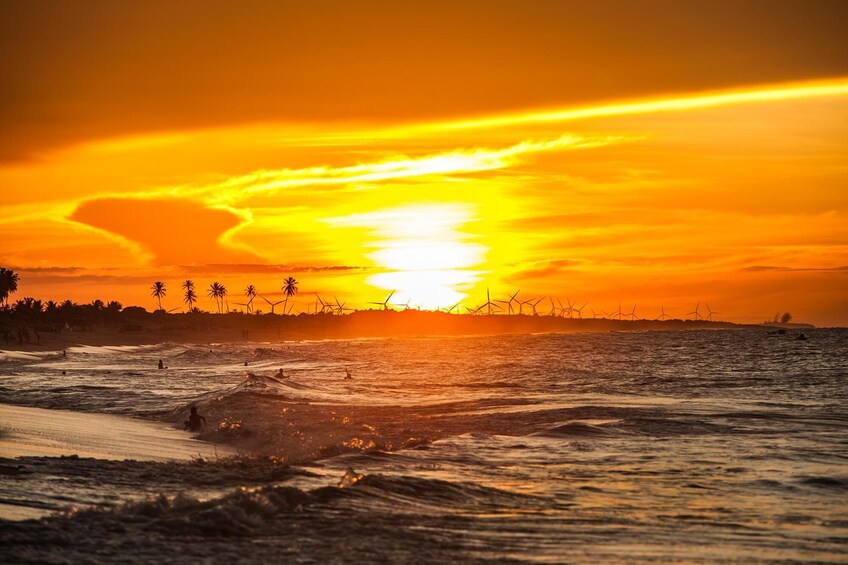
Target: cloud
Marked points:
260	268
175	231
772	268
37	270
547	269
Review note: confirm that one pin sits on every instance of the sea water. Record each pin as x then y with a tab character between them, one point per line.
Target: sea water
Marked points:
697	446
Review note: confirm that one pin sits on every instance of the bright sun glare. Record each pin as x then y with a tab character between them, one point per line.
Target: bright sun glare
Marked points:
421	252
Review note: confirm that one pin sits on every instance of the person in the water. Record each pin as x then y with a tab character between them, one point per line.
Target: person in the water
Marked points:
347	374
161	364
281	374
195	420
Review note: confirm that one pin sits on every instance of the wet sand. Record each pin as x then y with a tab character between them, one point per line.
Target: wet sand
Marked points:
39	432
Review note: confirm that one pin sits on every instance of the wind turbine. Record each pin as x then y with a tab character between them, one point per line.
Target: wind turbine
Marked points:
385	303
534	304
663	315
696	312
340	306
553	310
488	304
450	309
618	312
561	308
580	310
711	312
633	317
509	302
326	306
271	304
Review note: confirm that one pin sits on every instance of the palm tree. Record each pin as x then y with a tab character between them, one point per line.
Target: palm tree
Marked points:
223	292
190	294
215	292
8	284
289	289
250	293
158	289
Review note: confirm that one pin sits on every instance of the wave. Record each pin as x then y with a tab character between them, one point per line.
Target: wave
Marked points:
363	514
264	385
635	425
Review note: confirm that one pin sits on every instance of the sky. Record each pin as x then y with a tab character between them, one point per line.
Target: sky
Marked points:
659	154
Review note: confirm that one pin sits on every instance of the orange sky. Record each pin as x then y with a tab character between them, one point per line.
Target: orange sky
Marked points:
597	152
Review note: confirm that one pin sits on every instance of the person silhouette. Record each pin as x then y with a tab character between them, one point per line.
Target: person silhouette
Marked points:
281	374
347	374
161	364
195	420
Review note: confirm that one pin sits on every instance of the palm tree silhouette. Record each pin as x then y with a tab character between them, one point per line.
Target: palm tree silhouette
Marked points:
8	284
190	294
158	289
215	292
289	289
250	293
223	292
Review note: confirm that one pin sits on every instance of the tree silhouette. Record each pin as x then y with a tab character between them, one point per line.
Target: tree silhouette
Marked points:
215	292
250	293
289	289
8	284
218	292
223	292
190	295
158	289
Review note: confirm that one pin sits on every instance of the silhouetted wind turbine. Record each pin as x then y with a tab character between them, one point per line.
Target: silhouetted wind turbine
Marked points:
696	312
449	309
711	312
271	304
633	317
580	311
509	302
340	307
618	312
553	310
536	303
561	309
385	303
488	304
663	315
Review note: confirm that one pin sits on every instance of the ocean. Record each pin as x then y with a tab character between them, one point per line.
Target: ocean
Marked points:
725	446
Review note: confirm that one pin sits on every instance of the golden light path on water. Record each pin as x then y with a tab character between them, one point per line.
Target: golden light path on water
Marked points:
423	253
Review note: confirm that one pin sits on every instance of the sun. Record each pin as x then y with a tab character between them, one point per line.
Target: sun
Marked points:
422	252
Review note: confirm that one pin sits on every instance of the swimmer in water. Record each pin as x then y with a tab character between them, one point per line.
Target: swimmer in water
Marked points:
347	374
281	374
161	364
